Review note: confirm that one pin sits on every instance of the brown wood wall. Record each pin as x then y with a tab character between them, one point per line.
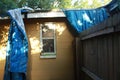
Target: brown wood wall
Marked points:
61	68
98	50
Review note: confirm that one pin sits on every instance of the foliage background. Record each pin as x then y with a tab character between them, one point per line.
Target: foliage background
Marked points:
51	4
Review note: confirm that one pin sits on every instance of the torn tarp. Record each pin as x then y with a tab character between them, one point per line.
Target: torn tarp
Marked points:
83	19
17	48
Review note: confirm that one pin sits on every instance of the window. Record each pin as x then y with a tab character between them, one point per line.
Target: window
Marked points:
47	37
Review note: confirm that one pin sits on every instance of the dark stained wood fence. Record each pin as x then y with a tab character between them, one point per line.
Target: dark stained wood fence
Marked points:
98	51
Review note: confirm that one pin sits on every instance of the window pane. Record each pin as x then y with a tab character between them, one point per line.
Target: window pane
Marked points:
47	31
48	45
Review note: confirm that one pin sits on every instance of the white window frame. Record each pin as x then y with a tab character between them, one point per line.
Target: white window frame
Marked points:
47	54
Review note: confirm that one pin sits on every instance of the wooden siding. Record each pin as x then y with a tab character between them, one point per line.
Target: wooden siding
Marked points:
98	51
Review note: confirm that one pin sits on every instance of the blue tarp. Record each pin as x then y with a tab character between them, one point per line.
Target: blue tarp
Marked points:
17	48
83	19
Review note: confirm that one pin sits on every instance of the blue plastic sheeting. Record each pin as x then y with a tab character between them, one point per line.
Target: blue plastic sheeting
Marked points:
83	19
17	48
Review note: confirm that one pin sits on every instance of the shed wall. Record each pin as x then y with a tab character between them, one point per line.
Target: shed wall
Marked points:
61	68
4	27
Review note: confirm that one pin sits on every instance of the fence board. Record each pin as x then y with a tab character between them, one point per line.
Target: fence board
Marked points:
101	50
92	75
102	57
98	33
115	54
119	58
105	56
78	58
99	57
110	57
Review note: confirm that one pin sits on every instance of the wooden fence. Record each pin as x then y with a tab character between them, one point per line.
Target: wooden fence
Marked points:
98	51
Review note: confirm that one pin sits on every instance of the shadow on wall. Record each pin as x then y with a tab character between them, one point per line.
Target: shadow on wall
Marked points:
3	43
34	36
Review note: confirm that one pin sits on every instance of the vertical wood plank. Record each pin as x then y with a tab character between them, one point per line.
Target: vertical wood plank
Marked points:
93	55
89	51
115	55
105	58
78	58
100	58
119	58
110	56
85	54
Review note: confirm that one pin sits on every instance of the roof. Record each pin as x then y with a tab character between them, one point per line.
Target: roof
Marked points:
41	14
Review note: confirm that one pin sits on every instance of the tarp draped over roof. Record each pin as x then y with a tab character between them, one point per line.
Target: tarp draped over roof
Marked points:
81	20
17	48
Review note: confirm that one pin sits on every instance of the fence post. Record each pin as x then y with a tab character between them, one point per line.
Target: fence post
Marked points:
78	58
